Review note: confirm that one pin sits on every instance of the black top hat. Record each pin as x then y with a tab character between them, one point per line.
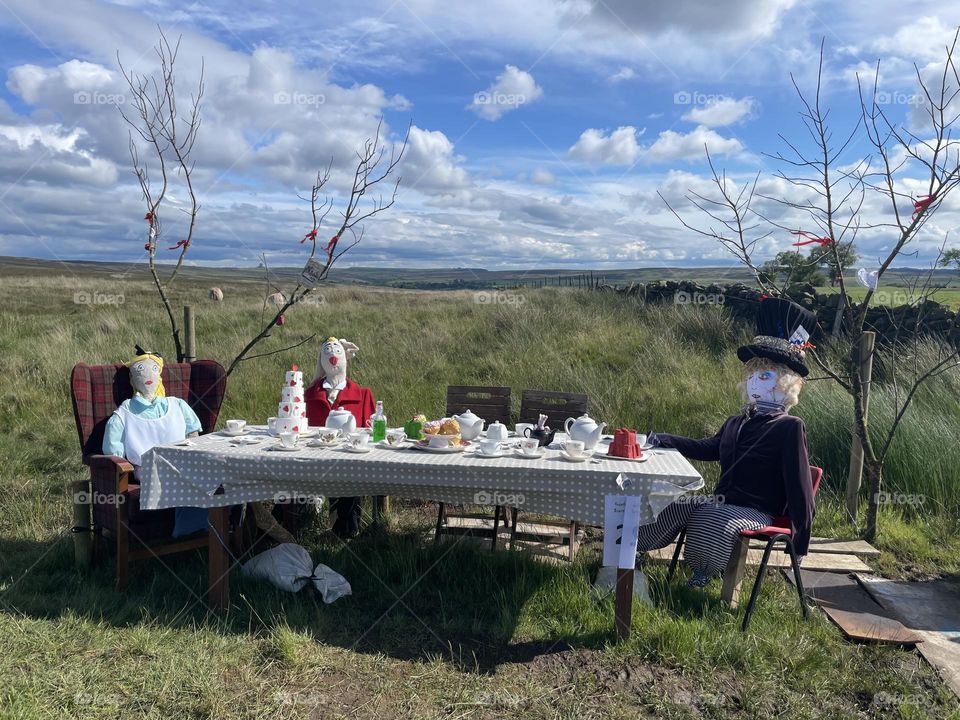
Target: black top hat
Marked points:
783	329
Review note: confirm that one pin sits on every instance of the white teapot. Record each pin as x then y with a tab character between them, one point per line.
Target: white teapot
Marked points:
470	425
585	429
342	420
497	431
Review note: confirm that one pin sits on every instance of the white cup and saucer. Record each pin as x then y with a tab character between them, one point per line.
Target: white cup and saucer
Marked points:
326	437
574	451
489	448
358	442
235	428
289	442
530	448
396	437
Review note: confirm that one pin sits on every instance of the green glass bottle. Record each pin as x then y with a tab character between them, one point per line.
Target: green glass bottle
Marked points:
379	423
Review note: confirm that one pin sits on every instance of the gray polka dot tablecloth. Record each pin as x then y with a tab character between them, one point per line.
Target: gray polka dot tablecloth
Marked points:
213	472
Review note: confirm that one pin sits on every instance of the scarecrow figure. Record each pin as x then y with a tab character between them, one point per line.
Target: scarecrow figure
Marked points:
150	418
331	389
764	468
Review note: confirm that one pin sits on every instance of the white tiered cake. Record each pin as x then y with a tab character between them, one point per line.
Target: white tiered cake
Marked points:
292	410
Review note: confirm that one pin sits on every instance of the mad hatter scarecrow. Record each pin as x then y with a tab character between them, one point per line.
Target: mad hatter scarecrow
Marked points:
151	418
764	468
331	390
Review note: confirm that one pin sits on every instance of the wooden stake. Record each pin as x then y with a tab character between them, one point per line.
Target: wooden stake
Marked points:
82	537
855	473
623	603
189	331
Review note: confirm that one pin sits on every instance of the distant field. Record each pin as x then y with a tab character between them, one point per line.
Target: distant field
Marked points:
892	295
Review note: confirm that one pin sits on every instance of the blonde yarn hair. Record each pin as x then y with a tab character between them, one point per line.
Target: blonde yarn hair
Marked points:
788	382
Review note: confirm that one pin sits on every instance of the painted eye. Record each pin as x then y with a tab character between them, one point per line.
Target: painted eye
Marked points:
765	375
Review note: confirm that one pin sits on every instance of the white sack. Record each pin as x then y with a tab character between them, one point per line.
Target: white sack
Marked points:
288	567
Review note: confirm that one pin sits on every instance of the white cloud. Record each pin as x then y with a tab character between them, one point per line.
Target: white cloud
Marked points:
512	88
624	73
620	147
430	165
671	145
540	176
722	111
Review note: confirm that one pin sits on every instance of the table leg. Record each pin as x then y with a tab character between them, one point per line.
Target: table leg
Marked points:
218	568
623	615
733	575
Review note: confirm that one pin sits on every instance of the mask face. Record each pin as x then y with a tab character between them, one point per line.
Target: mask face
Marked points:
333	358
145	377
761	386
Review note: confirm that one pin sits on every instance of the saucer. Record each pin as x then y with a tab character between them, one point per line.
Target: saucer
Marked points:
321	444
239	433
577	459
605	456
497	454
396	446
280	448
532	456
425	445
359	449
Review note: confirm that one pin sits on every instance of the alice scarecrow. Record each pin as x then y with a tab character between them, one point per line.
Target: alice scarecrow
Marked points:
764	467
151	418
330	390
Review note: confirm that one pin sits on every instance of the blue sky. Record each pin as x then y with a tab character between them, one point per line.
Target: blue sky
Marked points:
542	130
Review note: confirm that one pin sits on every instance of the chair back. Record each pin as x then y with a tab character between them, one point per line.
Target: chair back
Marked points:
98	390
816	475
557	406
490	403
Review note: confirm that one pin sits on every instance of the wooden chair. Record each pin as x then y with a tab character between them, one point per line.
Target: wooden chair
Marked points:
493	405
557	406
114	494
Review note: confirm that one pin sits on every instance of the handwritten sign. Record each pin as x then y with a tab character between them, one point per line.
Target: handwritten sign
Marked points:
621	523
312	272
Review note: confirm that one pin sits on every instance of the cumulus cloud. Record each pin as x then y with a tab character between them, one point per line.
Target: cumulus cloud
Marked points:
430	164
672	145
624	73
722	111
512	89
541	176
620	147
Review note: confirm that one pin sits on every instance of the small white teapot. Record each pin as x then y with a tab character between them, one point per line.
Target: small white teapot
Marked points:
585	429
342	420
497	431
470	425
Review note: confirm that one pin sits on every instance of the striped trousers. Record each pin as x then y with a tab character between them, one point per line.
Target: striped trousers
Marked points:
712	530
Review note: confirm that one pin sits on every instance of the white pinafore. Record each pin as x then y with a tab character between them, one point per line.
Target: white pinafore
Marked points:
140	433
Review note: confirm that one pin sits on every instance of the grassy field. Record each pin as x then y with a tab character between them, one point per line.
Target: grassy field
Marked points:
446	632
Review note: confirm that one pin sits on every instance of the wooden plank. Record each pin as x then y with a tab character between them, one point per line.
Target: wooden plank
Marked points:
557	406
832	562
623	604
860	548
218	568
733	575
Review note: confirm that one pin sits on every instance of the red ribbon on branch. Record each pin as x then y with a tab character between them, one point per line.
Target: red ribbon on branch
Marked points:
920	205
180	244
147	247
312	235
332	244
811	239
149	217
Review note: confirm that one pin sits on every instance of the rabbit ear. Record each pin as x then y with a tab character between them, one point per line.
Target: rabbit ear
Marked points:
349	349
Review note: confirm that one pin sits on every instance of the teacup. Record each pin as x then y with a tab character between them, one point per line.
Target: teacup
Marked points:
395	436
529	446
358	440
328	435
289	439
236	426
641	440
573	448
438	441
489	447
272	425
521	428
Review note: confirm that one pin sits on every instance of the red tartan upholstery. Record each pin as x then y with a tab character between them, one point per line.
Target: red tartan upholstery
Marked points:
98	390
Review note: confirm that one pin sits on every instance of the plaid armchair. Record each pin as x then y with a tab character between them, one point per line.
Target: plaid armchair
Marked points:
97	390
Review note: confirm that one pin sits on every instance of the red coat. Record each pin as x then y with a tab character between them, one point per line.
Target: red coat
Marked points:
358	400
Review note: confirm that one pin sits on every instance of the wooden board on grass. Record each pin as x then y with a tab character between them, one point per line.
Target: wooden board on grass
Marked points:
830	562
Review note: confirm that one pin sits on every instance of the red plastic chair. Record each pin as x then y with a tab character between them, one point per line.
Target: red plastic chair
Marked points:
780	530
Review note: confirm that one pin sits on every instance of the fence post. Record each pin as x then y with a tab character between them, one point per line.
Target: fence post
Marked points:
190	335
838	318
855	474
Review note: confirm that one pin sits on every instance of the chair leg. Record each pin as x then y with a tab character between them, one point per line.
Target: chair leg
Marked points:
513	529
123	547
573	540
676	554
757	583
496	527
798	580
436	536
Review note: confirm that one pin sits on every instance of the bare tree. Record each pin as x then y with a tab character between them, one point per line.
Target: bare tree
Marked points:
169	136
375	165
832	192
